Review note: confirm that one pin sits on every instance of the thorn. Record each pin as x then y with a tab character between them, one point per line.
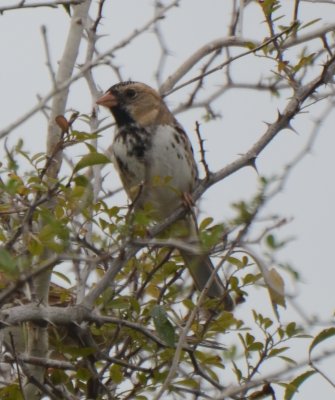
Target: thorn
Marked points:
290	127
279	115
252	163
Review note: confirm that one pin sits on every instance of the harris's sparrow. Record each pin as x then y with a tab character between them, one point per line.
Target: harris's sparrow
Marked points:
155	161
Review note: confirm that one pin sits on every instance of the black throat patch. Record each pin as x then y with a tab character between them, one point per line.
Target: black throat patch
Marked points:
137	139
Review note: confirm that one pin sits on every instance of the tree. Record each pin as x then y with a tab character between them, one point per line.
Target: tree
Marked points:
126	321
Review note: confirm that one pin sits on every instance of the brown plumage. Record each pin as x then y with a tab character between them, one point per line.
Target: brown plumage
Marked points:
155	161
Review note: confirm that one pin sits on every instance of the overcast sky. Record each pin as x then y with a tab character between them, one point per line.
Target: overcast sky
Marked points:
309	195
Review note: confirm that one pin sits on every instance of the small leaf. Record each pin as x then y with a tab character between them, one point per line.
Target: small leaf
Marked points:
291	329
288	359
189	383
250	45
35	247
275	352
235	261
121	303
83	136
237	371
62	276
91	159
83	374
205	223
7	262
276	287
257	346
163	326
251	278
323	335
310	23
116	374
11	391
303	62
270	241
249	339
78	351
293	386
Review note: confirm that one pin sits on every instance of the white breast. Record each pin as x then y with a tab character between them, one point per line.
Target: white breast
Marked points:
169	158
165	171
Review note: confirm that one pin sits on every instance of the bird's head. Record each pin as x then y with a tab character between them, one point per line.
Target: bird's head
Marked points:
134	102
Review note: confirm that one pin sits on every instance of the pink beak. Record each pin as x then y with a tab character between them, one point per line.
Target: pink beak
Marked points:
107	100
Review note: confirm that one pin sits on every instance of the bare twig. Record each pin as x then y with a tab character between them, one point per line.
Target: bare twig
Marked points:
167	86
202	149
52	4
64	85
16	364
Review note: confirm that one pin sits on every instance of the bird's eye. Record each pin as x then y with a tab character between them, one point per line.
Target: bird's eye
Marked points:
130	93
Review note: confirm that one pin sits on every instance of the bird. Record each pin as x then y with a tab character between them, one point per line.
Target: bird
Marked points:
155	161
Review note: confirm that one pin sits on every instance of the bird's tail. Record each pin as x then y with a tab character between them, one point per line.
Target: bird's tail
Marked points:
201	269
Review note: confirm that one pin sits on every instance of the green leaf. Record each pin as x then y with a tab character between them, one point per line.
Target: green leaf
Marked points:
249	339
288	359
211	236
270	241
251	278
62	276
82	136
58	377
323	335
205	223
78	351
121	303
163	326
291	329
250	45
310	23
189	383
35	247
116	374
303	62
189	304
7	262
293	386
275	352
237	371
11	392
257	346
83	374
91	159
235	261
